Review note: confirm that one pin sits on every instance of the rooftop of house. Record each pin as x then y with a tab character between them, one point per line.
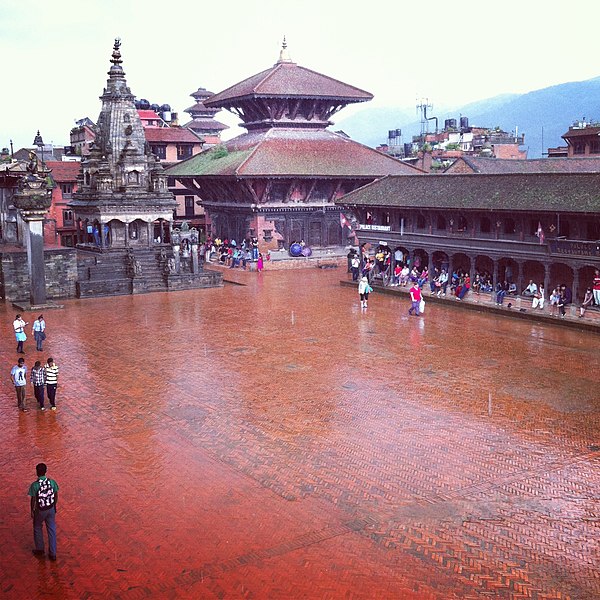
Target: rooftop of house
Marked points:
534	165
62	171
173	135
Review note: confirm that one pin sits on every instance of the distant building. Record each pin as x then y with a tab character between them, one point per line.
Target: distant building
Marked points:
82	136
499	166
203	122
583	139
59	226
456	139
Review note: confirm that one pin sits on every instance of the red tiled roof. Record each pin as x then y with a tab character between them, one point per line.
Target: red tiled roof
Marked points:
171	135
64	171
287	79
583	132
148	114
206	125
534	165
284	152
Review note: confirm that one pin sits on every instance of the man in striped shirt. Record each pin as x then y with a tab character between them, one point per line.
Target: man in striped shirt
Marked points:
51	369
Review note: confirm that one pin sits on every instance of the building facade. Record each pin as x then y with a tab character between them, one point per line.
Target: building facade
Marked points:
517	227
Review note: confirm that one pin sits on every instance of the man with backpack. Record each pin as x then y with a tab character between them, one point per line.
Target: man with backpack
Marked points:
44	497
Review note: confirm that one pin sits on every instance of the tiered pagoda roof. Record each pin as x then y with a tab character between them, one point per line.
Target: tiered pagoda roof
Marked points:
292	152
203	121
287	95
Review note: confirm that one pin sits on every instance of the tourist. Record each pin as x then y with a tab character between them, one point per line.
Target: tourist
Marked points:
501	290
596	288
588	299
354	266
397	273
38	380
404	275
19	327
415	297
39	332
260	263
442	283
51	369
254	248
531	290
562	301
18	375
363	291
539	298
465	287
44	498
554	299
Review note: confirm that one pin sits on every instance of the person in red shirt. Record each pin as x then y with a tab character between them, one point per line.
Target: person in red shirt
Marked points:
415	296
597	288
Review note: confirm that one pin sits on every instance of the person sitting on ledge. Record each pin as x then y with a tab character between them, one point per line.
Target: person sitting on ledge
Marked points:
531	290
501	290
588	299
539	298
512	289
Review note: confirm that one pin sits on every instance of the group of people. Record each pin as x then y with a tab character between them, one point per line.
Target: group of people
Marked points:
229	254
460	283
44	379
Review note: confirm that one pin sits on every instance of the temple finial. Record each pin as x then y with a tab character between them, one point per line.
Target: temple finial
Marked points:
284	55
116	55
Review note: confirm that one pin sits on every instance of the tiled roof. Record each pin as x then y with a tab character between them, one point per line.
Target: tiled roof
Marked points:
170	135
535	165
64	171
287	79
583	132
292	152
206	125
541	192
148	114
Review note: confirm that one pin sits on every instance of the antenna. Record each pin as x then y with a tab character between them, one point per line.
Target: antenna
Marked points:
422	106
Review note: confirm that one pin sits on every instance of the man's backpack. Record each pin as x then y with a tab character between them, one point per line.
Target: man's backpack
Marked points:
45	495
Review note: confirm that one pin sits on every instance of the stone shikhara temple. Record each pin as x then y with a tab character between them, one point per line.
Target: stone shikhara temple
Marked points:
278	182
122	189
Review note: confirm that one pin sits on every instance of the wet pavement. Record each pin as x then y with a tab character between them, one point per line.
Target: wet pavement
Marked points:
272	440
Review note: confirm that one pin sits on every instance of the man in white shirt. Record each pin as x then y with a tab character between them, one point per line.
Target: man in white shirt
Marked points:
18	374
531	289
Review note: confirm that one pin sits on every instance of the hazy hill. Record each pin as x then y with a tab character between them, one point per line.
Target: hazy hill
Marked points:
550	109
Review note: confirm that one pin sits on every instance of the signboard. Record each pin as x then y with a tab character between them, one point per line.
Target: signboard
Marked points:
573	248
365	227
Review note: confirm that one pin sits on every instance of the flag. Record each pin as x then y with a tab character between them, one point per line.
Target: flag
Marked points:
540	232
344	222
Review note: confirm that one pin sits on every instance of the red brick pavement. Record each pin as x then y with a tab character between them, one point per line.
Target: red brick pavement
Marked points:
273	441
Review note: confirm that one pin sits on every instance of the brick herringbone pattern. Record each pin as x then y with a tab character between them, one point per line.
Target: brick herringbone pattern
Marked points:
273	441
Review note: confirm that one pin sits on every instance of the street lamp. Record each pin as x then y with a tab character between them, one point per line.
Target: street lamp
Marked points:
39	142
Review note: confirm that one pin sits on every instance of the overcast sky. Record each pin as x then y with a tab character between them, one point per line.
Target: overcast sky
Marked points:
56	53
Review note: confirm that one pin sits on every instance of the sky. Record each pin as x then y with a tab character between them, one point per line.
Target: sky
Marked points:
56	53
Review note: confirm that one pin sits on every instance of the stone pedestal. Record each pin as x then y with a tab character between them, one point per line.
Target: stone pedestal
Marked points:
33	201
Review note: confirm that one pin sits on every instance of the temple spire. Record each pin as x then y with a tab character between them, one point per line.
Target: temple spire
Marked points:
284	55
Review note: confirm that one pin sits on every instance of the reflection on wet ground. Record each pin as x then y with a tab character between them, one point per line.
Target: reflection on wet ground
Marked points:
272	440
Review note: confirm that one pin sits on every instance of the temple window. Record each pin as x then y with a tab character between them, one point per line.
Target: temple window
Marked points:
420	222
67	217
486	225
440	222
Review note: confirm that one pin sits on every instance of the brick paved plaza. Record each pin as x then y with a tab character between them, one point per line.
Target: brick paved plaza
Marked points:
269	440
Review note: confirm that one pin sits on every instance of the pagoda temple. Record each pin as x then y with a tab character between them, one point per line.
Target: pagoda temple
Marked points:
122	199
278	182
203	120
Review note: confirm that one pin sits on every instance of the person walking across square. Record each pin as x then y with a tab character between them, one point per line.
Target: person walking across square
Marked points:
38	379
51	369
415	297
19	327
38	330
44	498
18	375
